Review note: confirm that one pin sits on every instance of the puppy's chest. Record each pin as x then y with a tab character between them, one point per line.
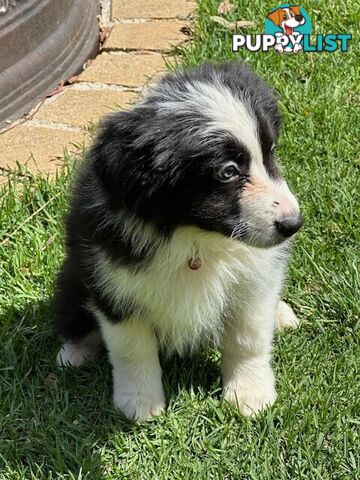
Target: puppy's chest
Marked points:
187	305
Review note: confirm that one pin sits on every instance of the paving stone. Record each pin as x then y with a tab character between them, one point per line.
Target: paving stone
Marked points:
156	36
122	9
128	69
40	148
81	107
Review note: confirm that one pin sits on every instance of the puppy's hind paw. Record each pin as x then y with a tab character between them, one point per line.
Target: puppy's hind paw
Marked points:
285	316
76	354
71	355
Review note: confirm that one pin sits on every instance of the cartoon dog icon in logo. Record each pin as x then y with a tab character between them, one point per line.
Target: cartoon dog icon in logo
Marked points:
288	19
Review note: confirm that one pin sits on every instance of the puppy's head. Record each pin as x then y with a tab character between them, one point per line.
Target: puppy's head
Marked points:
199	151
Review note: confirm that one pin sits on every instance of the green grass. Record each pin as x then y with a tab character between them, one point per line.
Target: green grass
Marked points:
61	424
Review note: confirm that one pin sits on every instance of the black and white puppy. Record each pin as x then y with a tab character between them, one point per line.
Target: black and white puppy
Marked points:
178	235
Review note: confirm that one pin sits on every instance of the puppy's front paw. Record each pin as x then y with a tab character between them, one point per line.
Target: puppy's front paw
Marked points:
285	317
140	405
251	386
252	400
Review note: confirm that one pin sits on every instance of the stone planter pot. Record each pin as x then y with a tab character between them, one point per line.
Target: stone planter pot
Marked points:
41	43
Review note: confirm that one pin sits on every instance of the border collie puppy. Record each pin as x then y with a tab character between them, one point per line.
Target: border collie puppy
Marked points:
178	235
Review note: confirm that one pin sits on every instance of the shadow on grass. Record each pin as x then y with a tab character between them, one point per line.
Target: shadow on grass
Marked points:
60	421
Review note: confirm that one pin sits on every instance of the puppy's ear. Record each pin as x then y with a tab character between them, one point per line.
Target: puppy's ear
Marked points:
112	153
123	157
276	17
295	9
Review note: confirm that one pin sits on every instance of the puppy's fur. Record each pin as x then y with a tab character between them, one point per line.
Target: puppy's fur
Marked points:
177	236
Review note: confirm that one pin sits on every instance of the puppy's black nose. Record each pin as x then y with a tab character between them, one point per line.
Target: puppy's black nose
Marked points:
299	18
289	225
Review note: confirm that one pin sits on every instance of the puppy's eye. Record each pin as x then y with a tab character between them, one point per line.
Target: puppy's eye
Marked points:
273	147
229	171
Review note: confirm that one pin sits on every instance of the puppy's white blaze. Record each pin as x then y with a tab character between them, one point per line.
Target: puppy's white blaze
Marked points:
234	115
257	169
224	111
228	113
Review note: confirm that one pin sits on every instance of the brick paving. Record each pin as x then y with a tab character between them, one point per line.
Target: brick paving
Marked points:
154	35
125	69
134	54
40	148
125	9
82	107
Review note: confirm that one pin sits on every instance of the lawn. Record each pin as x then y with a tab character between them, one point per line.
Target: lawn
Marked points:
61	424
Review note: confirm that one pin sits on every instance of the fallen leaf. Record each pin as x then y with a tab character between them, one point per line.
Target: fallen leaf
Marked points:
232	25
51	378
225	7
186	30
73	79
87	63
48	242
244	24
104	33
